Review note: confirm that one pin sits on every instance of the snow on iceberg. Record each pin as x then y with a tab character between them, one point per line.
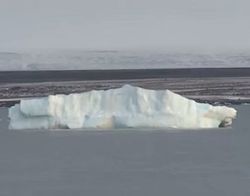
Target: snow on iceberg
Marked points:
128	106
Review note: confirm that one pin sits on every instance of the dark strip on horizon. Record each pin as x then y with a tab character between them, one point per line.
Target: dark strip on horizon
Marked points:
120	74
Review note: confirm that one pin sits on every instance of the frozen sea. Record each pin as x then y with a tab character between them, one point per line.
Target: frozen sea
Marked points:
111	59
126	162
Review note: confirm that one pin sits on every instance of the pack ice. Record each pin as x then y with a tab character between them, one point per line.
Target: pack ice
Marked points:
127	106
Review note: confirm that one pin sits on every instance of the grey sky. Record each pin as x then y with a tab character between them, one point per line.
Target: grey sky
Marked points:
127	24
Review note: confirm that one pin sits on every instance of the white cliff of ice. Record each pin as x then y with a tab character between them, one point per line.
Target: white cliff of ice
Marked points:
128	106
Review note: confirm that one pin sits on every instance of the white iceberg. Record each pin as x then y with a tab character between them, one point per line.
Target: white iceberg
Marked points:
128	106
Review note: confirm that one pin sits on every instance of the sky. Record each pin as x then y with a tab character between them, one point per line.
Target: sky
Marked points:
125	24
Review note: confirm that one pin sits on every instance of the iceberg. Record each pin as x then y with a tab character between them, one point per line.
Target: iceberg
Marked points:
124	107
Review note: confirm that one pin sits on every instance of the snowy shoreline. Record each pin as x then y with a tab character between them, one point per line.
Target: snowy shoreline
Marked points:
211	90
209	85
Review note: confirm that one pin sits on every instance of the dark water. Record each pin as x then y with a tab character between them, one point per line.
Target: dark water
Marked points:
131	162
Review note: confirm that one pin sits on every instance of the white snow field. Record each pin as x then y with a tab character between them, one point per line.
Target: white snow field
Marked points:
82	60
123	107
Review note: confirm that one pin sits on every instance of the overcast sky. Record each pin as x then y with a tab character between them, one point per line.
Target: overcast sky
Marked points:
125	24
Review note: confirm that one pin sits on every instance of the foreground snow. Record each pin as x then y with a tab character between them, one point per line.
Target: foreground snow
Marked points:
118	108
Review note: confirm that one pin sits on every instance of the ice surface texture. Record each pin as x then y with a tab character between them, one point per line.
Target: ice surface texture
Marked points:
85	60
124	107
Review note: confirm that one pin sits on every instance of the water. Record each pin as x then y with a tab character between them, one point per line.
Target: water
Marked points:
77	59
136	163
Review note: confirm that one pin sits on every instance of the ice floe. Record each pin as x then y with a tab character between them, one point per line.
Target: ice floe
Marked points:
123	107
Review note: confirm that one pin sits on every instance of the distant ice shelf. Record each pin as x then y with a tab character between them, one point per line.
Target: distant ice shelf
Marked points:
125	107
89	60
